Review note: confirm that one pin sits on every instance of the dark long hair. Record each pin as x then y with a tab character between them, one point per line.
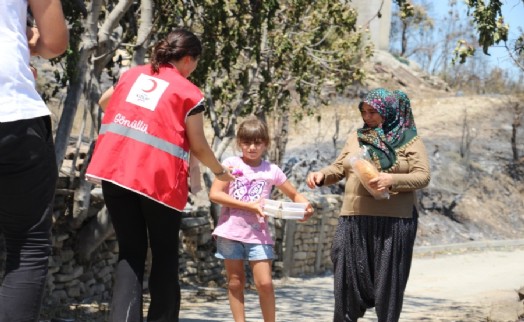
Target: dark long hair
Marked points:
178	44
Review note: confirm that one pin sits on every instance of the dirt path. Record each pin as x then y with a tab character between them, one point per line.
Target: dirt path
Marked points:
446	286
471	286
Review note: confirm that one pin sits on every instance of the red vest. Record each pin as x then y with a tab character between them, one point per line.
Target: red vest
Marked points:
142	144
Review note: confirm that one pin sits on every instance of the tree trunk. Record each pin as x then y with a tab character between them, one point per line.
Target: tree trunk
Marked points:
514	126
82	196
97	230
335	136
320	245
280	138
144	32
289	241
404	38
87	81
111	23
76	84
74	92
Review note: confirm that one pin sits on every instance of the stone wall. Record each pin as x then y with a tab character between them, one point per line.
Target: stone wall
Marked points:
307	244
302	248
305	248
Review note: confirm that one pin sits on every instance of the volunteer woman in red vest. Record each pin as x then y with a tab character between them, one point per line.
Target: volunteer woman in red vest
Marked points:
152	122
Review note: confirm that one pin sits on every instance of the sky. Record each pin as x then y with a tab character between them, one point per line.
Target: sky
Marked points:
513	12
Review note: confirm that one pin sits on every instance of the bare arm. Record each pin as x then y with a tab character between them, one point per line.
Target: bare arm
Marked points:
104	99
201	149
219	194
53	35
289	190
32	38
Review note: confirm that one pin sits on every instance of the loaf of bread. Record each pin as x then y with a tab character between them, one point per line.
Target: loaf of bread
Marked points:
365	169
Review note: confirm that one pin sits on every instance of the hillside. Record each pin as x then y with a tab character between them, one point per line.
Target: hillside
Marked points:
476	191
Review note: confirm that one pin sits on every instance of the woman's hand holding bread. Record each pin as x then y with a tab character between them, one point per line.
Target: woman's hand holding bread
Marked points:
383	182
377	183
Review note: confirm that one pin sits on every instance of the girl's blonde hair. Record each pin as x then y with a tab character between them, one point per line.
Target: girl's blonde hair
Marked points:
253	129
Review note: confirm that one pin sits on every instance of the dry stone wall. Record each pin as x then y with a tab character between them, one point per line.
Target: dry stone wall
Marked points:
308	249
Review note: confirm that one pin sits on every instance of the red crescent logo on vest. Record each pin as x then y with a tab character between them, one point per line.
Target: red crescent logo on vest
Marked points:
153	87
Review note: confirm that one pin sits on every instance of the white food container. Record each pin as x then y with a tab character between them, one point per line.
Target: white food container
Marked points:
284	210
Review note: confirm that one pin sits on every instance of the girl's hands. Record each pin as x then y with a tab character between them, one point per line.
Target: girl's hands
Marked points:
256	207
313	179
383	182
309	212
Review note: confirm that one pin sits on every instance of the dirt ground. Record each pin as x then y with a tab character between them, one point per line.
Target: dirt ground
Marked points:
466	286
451	285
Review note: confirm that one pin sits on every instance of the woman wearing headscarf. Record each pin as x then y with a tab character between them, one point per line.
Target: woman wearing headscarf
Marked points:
373	245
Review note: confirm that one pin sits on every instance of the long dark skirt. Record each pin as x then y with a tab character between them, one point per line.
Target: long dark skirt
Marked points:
371	258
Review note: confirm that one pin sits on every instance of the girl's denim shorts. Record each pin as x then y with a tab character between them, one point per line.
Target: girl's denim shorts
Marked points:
233	249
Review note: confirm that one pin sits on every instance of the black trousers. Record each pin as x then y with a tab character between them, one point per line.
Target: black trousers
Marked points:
372	259
28	177
138	222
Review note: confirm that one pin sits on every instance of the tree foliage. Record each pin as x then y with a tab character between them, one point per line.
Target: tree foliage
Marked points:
411	26
489	21
491	29
260	56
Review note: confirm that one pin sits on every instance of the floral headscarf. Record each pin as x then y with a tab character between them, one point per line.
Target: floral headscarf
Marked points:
397	130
